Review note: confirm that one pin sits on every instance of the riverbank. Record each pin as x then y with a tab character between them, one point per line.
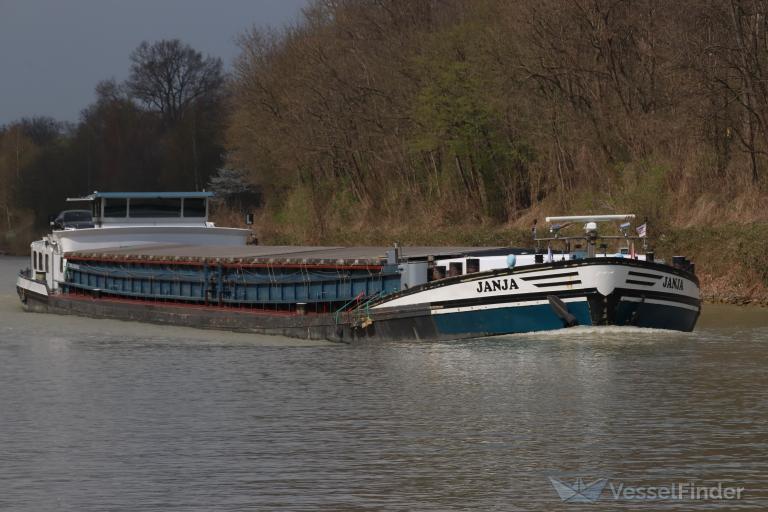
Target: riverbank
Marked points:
731	260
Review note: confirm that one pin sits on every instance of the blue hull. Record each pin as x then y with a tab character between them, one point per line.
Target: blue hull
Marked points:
558	299
545	305
655	316
594	309
539	317
420	324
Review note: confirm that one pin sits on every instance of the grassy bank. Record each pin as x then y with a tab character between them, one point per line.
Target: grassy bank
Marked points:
731	260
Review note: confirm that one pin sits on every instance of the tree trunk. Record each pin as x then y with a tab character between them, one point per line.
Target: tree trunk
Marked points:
195	166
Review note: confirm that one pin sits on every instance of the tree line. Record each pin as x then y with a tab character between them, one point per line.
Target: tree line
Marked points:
443	112
161	129
368	117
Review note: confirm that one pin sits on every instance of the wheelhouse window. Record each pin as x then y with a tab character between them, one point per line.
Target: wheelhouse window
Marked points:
153	207
77	216
115	207
194	207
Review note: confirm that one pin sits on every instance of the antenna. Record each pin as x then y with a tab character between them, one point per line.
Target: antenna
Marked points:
624	228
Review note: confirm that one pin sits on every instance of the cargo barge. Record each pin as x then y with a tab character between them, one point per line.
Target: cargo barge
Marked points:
155	257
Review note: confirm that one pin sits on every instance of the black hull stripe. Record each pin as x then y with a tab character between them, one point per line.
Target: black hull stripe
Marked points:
586	292
643	274
644	283
648	294
550	276
520	297
559	283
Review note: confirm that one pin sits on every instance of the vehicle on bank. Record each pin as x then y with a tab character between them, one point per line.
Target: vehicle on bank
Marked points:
73	219
155	257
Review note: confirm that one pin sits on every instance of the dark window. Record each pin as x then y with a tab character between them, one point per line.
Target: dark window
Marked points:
96	208
78	216
155	208
34	260
61	265
194	207
46	263
114	207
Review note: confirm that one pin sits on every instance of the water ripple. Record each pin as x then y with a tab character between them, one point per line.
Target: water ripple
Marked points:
117	416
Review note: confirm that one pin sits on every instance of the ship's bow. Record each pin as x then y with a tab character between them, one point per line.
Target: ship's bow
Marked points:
642	294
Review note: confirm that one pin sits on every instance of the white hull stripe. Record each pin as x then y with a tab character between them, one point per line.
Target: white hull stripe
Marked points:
605	279
464	309
661	302
32	286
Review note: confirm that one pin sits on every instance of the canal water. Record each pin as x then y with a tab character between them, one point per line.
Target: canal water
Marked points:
106	415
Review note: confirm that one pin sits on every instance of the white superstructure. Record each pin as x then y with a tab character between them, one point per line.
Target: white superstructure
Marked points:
125	219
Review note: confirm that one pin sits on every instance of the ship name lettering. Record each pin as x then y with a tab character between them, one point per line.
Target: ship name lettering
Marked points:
673	282
494	285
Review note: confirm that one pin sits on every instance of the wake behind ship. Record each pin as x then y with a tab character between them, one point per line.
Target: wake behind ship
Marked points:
155	257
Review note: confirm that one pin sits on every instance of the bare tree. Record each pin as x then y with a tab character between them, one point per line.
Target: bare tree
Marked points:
168	76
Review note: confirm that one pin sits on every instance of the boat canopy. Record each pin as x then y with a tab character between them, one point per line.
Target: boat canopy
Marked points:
148	208
591	218
141	195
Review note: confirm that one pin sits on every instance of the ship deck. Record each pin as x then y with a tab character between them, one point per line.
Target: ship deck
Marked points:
278	254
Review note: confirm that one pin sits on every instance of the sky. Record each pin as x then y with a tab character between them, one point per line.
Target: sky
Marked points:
54	52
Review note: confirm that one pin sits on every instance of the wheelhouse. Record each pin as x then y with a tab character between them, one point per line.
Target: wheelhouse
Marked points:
143	208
